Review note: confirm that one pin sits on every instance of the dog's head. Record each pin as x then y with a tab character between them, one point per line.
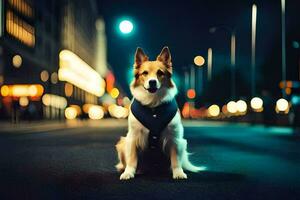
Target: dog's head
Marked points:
153	75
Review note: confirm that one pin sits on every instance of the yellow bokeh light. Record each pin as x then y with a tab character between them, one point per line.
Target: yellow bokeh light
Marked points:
96	112
256	103
23	101
68	89
44	76
54	78
114	93
241	106
199	61
17	61
4	90
71	113
232	107
214	110
282	105
54	101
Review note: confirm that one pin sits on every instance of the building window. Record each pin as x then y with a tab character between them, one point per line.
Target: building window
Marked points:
19	29
22	7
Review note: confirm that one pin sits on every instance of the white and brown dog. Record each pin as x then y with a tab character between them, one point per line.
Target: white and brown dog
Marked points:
154	122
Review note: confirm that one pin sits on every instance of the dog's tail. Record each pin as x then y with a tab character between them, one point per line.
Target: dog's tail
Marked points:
187	165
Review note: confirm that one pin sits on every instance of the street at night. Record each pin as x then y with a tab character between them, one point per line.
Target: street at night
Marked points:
131	99
76	161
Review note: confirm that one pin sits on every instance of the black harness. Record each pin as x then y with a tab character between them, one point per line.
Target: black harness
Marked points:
156	120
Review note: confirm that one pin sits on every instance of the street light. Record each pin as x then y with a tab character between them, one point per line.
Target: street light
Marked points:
253	42
126	26
283	48
232	54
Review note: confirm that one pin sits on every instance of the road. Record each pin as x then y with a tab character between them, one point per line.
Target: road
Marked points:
77	162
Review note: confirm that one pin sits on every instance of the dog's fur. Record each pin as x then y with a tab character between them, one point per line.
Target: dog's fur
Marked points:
172	139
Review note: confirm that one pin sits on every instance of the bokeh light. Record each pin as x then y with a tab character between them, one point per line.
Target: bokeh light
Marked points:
126	26
232	107
71	113
17	61
199	61
214	110
191	93
256	103
282	105
241	106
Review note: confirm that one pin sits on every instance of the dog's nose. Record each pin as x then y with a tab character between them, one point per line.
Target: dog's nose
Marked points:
152	83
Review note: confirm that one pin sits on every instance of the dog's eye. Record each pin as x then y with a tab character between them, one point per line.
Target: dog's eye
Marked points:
160	73
145	73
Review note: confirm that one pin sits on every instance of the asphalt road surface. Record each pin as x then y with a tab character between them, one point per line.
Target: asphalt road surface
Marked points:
77	162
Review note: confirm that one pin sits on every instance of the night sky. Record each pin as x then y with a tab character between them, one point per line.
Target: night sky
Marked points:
184	27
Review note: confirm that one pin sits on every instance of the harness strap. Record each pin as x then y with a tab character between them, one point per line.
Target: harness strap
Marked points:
155	119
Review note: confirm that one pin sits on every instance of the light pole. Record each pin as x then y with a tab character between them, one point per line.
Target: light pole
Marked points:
209	64
253	43
283	48
232	55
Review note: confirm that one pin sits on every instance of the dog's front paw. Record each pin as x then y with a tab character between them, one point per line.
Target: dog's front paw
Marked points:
128	173
178	173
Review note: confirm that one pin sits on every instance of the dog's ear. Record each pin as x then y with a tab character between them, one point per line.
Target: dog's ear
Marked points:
165	57
139	57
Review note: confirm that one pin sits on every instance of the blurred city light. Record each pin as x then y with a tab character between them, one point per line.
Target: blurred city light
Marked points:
17	61
74	70
95	112
68	89
71	113
186	110
199	61
34	90
232	107
126	101
191	93
23	101
241	106
114	93
256	103
118	111
296	44
44	76
214	110
110	81
54	101
126	26
54	78
282	105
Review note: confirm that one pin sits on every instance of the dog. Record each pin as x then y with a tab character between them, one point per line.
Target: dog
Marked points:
154	121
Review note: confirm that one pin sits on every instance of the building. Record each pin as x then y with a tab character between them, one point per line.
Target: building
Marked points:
47	50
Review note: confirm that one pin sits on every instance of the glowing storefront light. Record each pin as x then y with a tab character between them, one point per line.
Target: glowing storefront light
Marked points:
54	101
74	70
34	90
